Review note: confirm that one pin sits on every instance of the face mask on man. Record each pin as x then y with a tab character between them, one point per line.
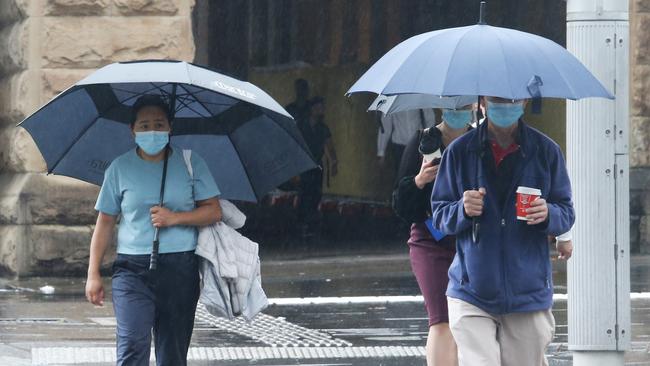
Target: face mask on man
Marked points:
457	118
152	142
504	114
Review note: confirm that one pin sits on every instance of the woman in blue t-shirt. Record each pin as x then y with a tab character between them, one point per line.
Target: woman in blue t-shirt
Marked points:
164	300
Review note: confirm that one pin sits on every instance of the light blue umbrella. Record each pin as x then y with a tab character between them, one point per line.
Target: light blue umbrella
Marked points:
249	142
480	60
388	104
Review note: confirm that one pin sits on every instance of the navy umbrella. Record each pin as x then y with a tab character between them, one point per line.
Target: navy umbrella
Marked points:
249	142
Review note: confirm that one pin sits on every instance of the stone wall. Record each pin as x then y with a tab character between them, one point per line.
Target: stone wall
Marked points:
45	46
640	126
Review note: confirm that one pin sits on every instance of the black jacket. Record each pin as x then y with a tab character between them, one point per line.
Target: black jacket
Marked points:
410	203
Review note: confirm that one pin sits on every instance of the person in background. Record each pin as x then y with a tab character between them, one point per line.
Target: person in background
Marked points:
319	140
396	130
430	253
299	108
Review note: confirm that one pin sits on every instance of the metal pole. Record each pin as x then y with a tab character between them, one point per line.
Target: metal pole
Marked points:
598	161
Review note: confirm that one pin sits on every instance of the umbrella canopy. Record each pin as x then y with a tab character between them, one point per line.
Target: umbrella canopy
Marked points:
249	142
388	104
480	60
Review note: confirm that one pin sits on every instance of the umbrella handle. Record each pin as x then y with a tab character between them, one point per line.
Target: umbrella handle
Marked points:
153	260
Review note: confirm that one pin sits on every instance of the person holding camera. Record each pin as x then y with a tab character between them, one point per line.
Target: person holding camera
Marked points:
430	252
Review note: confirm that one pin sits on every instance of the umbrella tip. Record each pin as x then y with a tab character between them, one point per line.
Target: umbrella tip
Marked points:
481	14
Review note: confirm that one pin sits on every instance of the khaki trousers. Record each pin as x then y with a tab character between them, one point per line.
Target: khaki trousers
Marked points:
515	339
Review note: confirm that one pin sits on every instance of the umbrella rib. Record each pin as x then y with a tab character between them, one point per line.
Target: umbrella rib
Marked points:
67	150
99	115
414	50
219	104
250	181
183	102
160	88
201	90
304	147
197	100
505	61
444	85
135	94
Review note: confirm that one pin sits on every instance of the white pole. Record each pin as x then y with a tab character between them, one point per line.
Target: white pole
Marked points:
598	160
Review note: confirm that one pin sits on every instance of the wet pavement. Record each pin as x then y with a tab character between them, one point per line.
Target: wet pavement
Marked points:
357	310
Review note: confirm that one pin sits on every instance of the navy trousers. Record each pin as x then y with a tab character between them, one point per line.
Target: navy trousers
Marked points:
162	302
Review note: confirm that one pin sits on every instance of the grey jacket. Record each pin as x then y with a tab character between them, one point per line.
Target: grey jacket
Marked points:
231	284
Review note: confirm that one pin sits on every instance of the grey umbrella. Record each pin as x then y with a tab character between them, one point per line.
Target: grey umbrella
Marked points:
388	104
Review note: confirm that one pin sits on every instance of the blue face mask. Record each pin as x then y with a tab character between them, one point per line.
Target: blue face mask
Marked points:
152	142
504	114
457	118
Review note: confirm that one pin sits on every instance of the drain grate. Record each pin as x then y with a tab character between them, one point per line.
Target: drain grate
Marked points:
33	321
86	355
271	330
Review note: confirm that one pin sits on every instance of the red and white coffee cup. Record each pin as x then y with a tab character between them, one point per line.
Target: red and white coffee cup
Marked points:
525	196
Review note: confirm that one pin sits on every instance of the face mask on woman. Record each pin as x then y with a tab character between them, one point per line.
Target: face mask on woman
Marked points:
457	118
152	142
504	114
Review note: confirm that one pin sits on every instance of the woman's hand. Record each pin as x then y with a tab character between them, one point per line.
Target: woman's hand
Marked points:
162	217
427	174
98	244
95	289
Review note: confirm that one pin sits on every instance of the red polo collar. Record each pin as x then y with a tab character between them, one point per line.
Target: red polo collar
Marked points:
500	153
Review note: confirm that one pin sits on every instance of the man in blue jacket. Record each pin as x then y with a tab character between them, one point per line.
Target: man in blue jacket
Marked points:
500	289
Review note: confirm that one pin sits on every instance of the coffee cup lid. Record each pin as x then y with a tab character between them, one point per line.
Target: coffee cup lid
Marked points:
528	190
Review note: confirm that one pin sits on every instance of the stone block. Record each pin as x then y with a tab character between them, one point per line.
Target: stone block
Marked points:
640	51
13	47
641	6
59	200
14	100
639	142
18	152
640	89
57	80
107	39
12	11
151	7
76	7
46	250
37	199
58	250
11	249
11	209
